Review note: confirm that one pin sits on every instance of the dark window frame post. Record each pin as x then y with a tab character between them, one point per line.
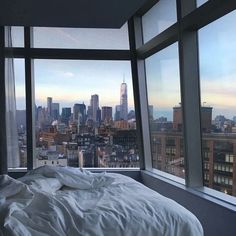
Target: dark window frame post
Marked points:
30	99
3	132
190	96
140	92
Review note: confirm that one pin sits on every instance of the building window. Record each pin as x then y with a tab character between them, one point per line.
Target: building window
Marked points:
161	16
200	2
85	113
217	77
165	113
81	38
17	158
17	36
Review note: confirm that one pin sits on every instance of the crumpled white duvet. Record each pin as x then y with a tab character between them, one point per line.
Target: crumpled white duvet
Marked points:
108	204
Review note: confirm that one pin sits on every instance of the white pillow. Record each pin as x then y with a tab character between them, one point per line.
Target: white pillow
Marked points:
73	177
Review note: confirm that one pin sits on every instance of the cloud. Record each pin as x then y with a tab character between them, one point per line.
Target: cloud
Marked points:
69	74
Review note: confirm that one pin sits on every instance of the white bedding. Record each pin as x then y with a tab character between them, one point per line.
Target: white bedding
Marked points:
87	205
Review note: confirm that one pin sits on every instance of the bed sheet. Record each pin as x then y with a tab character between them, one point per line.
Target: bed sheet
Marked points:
120	207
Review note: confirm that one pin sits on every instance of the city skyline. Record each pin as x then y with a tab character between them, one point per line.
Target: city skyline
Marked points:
65	81
217	75
92	110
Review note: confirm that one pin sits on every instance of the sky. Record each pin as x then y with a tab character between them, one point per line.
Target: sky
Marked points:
74	38
217	57
161	16
163	81
74	81
70	82
217	47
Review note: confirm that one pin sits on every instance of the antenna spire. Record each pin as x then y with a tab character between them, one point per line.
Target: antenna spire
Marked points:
124	78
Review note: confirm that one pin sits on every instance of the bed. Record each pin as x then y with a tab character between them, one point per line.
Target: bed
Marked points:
62	201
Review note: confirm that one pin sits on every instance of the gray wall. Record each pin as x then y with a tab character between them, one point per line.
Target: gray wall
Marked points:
216	220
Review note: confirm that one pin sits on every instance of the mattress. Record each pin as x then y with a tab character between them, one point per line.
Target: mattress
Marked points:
61	201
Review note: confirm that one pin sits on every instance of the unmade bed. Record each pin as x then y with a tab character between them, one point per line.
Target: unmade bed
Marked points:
64	201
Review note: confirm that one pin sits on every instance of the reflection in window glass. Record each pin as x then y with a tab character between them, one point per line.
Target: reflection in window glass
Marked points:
85	114
81	38
218	93
19	73
165	113
158	18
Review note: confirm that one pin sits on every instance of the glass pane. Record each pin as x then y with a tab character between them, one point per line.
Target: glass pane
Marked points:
20	158
158	18
200	2
81	38
85	114
165	113
218	93
17	34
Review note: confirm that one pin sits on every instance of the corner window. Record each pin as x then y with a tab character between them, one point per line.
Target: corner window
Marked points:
200	2
165	112
218	92
16	113
81	38
85	114
17	36
158	18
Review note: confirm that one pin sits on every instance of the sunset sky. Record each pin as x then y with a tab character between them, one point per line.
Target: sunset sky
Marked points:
74	81
217	46
70	82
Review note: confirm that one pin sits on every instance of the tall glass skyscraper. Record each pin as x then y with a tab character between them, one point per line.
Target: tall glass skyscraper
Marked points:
79	113
123	101
94	103
49	106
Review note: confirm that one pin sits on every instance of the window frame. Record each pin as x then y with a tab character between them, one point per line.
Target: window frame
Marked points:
189	20
29	53
185	32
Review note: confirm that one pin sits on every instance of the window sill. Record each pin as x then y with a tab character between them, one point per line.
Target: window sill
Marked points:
205	193
24	169
112	169
166	176
19	169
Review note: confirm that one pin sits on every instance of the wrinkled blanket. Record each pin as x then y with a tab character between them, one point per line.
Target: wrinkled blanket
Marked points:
77	202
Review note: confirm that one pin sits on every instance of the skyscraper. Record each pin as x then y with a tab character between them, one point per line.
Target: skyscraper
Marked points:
150	110
117	112
79	113
99	115
55	110
206	118
106	113
94	103
41	116
66	114
123	101
49	106
89	113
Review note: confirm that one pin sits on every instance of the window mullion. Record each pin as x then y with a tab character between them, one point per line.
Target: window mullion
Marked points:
190	97
30	101
3	132
141	90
